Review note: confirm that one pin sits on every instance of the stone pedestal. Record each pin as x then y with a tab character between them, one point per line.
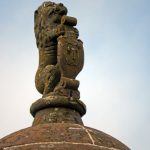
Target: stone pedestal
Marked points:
58	125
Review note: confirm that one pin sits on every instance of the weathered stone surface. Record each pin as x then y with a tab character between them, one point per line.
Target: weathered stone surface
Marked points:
61	55
58	101
58	146
57	115
61	58
60	136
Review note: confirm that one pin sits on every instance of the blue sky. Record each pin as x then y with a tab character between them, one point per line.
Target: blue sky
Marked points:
115	81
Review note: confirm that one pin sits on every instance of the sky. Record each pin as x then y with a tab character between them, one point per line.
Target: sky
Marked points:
115	80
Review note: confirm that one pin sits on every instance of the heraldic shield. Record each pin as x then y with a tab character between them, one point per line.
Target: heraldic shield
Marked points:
70	56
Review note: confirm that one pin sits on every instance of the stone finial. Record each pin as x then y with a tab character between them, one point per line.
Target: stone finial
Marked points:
61	58
57	123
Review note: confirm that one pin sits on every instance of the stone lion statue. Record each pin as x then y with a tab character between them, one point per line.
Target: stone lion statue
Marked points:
60	51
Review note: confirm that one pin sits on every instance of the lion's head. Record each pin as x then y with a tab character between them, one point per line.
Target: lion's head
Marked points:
47	17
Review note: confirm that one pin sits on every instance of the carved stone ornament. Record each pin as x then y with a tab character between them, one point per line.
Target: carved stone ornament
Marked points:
61	57
57	114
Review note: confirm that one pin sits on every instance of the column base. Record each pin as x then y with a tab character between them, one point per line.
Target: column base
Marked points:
58	102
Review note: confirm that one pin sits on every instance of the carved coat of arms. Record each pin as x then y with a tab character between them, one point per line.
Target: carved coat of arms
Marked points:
70	56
